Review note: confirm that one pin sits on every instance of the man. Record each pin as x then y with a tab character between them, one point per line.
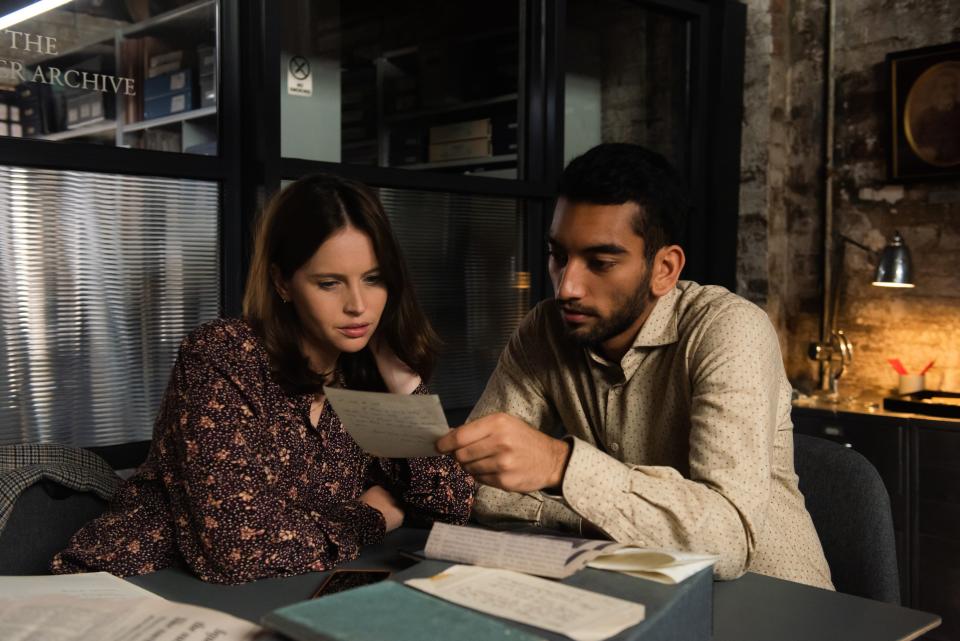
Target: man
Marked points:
671	397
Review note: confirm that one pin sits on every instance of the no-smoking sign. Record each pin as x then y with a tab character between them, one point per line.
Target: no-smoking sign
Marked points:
299	80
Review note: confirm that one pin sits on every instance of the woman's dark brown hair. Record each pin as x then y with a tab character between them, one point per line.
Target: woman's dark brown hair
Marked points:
294	224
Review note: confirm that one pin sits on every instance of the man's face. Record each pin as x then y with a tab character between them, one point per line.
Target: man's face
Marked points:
600	276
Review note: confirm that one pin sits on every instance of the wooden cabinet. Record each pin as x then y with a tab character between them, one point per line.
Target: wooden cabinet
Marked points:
937	544
919	462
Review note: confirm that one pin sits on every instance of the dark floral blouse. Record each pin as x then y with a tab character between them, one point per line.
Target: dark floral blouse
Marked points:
241	486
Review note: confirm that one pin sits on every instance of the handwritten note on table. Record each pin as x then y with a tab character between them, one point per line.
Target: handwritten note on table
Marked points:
573	612
390	425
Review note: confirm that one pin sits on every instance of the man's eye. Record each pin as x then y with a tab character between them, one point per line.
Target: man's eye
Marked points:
557	257
602	265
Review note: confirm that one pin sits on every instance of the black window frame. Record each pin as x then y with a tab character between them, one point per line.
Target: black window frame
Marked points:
250	168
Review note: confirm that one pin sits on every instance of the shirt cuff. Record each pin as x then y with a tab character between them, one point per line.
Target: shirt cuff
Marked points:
556	515
593	484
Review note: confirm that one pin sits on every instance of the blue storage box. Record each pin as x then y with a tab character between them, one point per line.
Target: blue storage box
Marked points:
167	105
173	82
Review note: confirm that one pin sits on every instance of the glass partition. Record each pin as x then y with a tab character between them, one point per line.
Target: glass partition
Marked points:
627	78
417	85
132	74
466	258
101	277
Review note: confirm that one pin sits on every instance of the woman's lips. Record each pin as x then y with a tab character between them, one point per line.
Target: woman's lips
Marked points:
354	331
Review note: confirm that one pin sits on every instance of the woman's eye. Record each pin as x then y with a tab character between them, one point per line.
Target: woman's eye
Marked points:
327	284
375	279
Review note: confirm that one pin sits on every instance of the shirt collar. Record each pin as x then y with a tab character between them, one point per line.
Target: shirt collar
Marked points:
659	329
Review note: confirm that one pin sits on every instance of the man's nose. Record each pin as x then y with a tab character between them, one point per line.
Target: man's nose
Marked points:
570	282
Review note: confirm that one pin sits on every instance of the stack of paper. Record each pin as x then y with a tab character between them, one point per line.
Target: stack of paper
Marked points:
100	607
559	557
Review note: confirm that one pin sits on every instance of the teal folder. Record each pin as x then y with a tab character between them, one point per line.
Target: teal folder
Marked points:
387	611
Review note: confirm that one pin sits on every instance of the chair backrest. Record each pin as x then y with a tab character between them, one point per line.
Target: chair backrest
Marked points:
43	519
850	508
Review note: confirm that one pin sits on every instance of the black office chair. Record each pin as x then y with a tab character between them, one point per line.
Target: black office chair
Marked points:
47	513
850	508
43	519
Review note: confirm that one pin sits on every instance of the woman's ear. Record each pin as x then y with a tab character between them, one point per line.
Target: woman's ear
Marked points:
279	284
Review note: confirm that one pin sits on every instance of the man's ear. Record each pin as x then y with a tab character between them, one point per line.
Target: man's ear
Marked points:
279	284
666	268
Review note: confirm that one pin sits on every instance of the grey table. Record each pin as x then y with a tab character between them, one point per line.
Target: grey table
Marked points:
752	608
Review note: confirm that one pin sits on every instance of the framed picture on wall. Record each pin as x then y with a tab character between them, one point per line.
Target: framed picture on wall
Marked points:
924	113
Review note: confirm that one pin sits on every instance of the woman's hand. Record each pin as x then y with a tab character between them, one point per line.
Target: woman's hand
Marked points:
399	378
381	500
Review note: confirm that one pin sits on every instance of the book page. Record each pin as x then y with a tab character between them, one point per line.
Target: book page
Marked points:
555	558
663	566
66	618
579	614
91	585
390	425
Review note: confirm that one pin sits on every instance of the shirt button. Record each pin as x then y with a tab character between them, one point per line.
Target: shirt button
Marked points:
614	447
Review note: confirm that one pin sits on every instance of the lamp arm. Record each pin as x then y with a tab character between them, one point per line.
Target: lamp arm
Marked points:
837	273
873	254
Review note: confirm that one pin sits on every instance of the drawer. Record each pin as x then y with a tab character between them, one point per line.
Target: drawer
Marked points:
939	574
938	483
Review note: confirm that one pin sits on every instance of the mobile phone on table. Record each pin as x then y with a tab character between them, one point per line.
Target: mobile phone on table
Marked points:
340	580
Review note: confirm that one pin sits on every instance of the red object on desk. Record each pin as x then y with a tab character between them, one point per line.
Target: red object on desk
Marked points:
897	365
926	367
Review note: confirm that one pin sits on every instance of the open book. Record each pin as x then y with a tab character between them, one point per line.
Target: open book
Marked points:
558	557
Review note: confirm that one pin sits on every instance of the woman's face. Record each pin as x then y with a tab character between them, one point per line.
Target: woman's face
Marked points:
339	295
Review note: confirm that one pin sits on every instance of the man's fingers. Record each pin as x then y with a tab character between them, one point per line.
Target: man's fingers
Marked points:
475	451
463	436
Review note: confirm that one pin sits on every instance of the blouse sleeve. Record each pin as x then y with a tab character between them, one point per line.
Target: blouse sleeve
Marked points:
245	526
431	488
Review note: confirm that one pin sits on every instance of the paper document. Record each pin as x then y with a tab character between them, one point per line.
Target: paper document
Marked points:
92	585
552	557
69	618
390	425
98	606
579	614
662	566
559	557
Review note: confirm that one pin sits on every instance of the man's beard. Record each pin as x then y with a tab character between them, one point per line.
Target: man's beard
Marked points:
624	315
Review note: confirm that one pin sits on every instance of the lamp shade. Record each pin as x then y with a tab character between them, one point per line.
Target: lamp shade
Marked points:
895	268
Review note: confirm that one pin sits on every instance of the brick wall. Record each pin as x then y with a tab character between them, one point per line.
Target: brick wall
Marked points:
780	253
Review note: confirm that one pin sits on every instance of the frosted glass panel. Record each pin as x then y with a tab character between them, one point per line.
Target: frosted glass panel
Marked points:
465	253
101	276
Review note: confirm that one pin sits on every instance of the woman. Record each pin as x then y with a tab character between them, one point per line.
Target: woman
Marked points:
250	473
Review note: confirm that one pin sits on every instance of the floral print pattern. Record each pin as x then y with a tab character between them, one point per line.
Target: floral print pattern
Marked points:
240	485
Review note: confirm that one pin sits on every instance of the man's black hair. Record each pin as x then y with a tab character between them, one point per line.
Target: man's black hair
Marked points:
618	173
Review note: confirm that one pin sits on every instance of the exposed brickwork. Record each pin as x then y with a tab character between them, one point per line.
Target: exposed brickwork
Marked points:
779	264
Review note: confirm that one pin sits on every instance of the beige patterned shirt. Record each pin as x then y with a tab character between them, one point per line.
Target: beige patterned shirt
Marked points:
686	443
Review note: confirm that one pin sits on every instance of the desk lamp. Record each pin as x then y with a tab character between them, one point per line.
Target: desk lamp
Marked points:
894	269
